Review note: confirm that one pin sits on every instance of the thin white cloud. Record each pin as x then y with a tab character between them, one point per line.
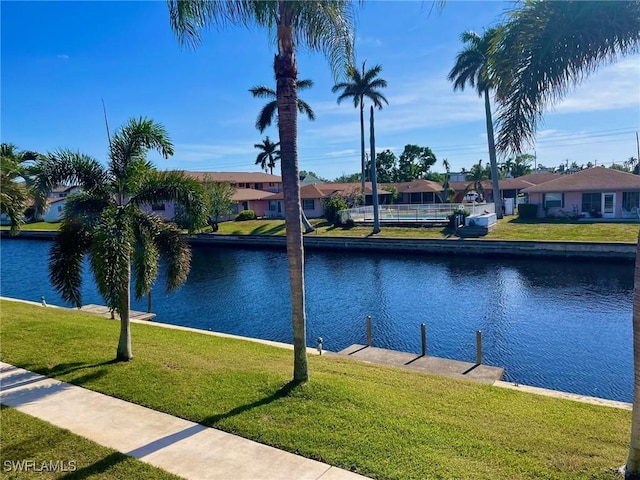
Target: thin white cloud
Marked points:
62	56
205	152
341	153
612	87
376	42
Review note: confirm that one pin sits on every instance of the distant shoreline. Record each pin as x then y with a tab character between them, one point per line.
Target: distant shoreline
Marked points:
594	251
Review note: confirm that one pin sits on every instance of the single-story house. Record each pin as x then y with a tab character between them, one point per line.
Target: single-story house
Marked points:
346	189
596	192
418	191
249	199
511	187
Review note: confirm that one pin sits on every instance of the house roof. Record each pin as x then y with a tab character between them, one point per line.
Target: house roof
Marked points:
56	200
420	185
306	192
245	194
526	181
234	177
345	188
461	186
63	188
590	179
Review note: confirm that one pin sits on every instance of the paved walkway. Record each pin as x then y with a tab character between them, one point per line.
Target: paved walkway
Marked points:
184	448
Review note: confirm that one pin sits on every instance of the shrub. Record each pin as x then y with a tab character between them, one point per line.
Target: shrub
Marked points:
349	223
245	215
527	211
332	206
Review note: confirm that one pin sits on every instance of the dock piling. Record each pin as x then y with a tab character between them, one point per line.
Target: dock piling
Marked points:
368	330
423	334
479	347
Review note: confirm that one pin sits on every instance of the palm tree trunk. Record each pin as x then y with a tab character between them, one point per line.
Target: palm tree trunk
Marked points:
364	196
123	353
497	199
632	469
286	74
374	179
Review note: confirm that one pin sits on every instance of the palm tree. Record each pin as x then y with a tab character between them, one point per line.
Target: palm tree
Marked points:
362	85
325	26
475	177
106	222
447	191
472	67
269	154
546	48
265	117
16	177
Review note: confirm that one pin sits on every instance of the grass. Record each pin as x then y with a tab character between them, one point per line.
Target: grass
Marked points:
508	228
381	422
25	438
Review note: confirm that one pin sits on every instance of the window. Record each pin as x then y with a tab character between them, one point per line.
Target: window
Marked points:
273	205
552	200
592	202
158	207
271	184
416	197
308	204
630	201
258	186
59	208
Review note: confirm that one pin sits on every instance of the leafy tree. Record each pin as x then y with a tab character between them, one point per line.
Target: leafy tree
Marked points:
348	178
360	85
324	26
633	165
517	167
266	115
219	197
106	222
414	162
546	48
269	154
386	165
473	67
620	166
332	206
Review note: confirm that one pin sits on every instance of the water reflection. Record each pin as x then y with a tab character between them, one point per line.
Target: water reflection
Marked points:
557	324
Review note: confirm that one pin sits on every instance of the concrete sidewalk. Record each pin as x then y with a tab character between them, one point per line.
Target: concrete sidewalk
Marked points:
184	448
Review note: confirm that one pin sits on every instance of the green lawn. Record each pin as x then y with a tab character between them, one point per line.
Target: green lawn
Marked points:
510	228
382	422
25	438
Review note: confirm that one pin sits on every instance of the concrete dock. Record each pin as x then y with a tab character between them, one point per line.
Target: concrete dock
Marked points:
427	364
105	312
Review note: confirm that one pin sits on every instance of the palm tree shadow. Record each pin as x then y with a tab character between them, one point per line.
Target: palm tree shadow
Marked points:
97	468
65	368
282	392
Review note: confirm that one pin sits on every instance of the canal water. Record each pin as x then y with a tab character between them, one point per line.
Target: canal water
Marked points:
554	324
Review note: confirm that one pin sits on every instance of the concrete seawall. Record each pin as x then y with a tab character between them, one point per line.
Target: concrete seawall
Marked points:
608	251
496	248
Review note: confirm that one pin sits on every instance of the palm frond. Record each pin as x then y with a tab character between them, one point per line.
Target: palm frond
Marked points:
144	262
158	187
262	91
175	251
304	84
266	116
305	108
546	49
65	260
65	167
110	257
86	207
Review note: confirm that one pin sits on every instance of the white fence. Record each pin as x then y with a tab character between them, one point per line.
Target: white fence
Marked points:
436	212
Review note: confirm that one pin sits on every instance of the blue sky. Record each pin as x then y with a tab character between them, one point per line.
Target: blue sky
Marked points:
59	59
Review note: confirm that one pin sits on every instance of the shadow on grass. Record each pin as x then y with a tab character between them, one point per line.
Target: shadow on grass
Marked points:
282	392
66	368
97	468
263	230
543	221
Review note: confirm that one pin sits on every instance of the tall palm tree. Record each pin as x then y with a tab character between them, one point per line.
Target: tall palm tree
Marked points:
266	115
546	48
269	154
325	26
106	222
473	67
359	86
